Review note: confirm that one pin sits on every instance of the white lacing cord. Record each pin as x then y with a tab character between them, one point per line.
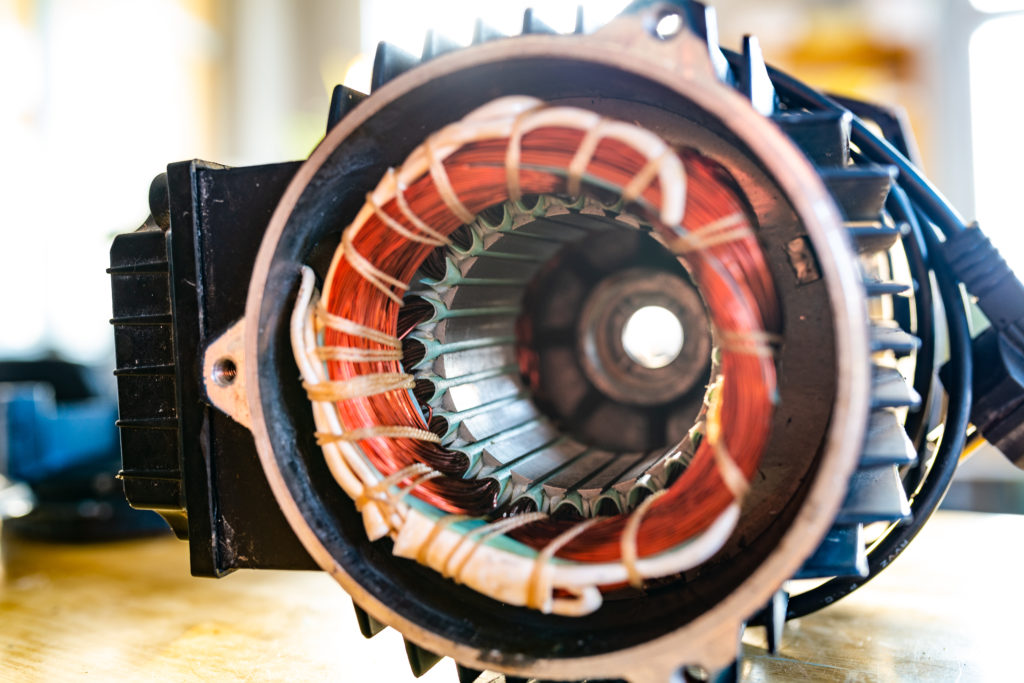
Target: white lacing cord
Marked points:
755	343
519	117
439	175
423	555
420	224
540	594
350	327
371	273
350	354
513	155
346	464
432	237
584	153
360	386
503	574
430	537
480	536
326	391
628	539
375	432
730	472
418	474
645	177
726	229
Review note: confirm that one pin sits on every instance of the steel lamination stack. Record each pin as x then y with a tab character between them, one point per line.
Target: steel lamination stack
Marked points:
436	367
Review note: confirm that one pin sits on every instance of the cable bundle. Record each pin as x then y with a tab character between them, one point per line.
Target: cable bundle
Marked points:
374	435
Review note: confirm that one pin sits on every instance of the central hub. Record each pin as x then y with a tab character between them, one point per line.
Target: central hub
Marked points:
632	336
614	340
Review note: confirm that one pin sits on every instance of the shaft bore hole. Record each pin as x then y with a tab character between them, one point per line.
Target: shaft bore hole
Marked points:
669	25
652	337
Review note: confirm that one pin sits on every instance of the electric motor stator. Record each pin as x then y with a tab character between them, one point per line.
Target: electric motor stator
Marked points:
561	353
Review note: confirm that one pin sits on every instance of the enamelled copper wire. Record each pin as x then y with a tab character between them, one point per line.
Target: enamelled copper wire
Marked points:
732	276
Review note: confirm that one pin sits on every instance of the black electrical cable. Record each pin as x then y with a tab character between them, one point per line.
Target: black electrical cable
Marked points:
923	207
934	486
903	213
913	477
900	209
918	188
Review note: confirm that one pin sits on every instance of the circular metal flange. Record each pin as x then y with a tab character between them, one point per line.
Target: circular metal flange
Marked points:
570	338
646	640
607	360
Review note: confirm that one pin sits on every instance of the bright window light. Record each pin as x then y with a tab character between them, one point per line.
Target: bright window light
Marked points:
996	105
404	22
994	6
653	337
97	97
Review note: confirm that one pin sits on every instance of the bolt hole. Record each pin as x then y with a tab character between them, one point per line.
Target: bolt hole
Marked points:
669	25
225	372
696	674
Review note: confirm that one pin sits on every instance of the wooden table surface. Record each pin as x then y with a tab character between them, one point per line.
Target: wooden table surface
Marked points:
945	611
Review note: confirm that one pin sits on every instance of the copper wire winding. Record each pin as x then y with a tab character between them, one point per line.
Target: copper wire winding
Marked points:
727	265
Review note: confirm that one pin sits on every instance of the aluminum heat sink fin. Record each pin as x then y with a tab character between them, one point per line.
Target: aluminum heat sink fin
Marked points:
753	78
343	100
436	44
841	553
531	24
874	287
890	390
390	61
875	494
420	661
702	21
888	336
875	491
872	236
773	618
581	21
467	675
824	136
886	442
483	33
860	191
368	626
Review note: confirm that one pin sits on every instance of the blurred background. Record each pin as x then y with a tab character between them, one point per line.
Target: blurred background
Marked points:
99	95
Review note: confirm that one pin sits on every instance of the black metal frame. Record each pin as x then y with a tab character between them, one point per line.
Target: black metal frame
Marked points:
183	458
